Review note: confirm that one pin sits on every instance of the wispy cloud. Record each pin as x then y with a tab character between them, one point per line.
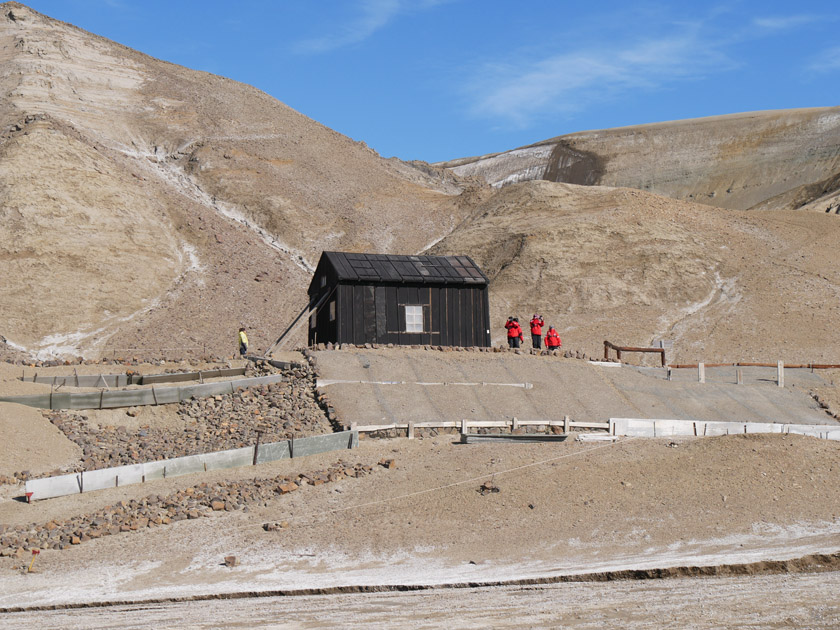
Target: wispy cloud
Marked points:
569	82
782	23
372	16
522	89
827	61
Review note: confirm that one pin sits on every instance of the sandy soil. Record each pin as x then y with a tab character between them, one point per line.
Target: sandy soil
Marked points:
567	508
32	443
561	509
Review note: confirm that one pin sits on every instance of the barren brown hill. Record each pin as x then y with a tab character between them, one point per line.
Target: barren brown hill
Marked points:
775	159
631	267
141	200
145	205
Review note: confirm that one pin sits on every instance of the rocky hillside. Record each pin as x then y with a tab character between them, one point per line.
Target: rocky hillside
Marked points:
149	205
773	159
634	268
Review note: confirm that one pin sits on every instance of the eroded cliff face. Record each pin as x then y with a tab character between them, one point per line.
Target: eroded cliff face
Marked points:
737	161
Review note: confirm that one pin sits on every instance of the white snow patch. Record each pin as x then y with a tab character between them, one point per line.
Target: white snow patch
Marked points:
85	342
509	167
163	167
722	291
267	567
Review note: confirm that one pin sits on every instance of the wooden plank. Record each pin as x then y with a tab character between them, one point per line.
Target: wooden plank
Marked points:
434	314
443	303
344	325
466	316
477	424
426	299
369	313
380	299
453	308
358	315
392	315
472	438
485	314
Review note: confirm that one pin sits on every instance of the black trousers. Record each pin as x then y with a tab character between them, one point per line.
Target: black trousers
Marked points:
513	342
537	341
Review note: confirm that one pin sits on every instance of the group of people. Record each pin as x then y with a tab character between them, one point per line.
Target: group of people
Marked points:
515	336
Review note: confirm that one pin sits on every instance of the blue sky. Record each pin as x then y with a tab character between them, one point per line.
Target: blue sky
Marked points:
441	79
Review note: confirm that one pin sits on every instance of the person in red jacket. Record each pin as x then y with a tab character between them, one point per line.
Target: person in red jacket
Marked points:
514	332
552	339
537	322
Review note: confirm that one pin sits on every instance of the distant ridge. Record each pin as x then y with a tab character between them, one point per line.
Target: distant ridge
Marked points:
736	161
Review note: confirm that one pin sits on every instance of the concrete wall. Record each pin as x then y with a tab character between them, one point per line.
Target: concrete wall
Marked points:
88	481
636	427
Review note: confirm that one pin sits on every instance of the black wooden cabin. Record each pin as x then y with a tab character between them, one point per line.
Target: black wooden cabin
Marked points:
403	300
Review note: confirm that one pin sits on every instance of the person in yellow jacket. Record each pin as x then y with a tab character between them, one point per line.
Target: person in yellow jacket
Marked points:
243	342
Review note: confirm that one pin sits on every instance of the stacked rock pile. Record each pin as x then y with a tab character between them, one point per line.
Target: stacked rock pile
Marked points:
21	358
567	354
276	412
191	503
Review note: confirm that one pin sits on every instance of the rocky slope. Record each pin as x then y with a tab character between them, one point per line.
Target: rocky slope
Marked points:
131	187
633	268
785	158
150	210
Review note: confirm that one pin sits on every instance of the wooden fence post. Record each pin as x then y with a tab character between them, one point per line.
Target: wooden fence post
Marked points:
701	372
410	431
257	448
739	376
780	377
565	424
463	426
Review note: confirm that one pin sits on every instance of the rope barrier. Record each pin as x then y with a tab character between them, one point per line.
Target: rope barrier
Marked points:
313	517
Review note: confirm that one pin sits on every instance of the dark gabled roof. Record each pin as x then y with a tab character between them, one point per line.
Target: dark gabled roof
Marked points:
390	268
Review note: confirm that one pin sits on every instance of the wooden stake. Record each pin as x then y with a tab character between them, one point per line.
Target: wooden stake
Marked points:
256	448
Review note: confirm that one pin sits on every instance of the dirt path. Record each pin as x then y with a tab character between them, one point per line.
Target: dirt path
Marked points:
775	601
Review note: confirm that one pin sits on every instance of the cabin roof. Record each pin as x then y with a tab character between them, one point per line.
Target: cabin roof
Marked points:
351	267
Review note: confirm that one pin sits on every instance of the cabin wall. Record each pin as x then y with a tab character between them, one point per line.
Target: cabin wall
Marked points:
366	313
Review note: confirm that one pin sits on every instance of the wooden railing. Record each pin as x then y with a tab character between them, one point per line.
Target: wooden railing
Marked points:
464	425
619	349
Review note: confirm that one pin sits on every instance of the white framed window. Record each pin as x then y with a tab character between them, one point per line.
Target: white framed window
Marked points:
414	319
